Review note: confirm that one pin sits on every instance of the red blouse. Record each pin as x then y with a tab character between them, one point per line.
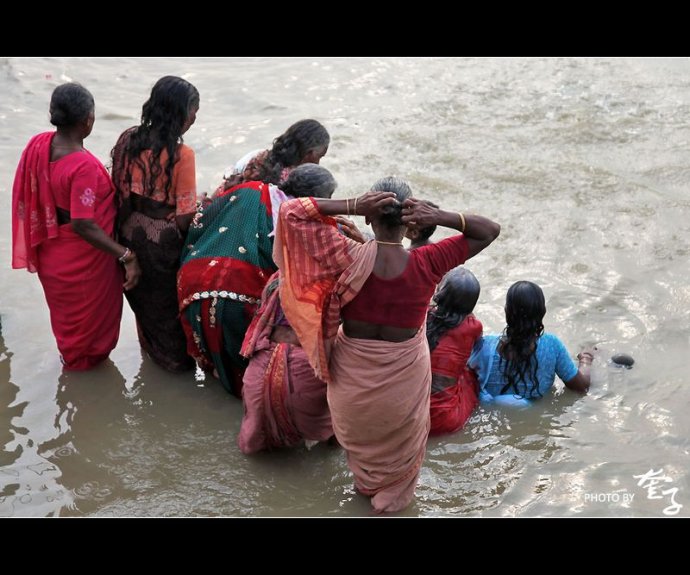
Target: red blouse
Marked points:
83	188
402	301
450	355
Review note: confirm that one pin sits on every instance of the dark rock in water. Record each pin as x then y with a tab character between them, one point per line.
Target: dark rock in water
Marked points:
623	359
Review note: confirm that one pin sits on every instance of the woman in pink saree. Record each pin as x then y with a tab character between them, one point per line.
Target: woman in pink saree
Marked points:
63	215
284	402
376	364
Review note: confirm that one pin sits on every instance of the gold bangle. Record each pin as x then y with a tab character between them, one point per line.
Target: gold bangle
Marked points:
354	212
347	203
462	222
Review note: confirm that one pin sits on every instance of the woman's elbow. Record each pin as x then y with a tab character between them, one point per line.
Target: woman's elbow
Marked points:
183	222
579	384
583	389
82	227
492	232
495	230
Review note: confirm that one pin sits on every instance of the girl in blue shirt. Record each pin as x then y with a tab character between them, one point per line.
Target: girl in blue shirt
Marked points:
522	364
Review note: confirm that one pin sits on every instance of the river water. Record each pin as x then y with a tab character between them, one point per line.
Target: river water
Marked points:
585	164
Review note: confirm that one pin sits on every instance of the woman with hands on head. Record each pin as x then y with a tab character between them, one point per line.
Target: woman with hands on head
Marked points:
377	363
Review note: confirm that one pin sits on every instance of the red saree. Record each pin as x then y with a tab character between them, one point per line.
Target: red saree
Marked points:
82	284
452	406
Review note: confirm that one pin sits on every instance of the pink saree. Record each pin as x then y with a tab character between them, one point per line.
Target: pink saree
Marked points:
378	391
284	402
82	284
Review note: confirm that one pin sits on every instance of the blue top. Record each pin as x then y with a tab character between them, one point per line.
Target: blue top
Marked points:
551	354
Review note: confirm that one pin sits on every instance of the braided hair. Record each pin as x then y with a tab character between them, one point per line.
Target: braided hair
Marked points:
525	310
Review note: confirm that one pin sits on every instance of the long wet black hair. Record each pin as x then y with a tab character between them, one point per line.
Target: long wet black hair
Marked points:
163	117
291	147
454	300
525	310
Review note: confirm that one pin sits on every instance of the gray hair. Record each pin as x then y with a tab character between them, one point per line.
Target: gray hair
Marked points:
391	215
309	180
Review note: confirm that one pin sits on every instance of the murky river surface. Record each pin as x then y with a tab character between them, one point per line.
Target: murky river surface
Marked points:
585	164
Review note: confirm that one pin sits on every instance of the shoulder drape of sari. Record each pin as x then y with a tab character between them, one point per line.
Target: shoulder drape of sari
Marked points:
263	318
321	271
284	401
34	218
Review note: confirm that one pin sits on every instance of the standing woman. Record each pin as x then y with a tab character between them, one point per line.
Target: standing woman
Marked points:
63	219
376	364
154	173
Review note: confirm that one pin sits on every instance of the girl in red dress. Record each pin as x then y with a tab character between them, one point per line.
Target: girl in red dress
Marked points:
451	330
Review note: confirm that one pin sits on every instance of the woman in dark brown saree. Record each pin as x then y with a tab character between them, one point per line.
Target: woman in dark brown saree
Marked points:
154	172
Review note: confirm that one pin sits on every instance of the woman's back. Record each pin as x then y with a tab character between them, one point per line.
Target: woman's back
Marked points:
402	301
550	357
182	193
82	187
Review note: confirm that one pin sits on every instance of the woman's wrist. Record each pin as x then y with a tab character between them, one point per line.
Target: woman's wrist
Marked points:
350	207
453	220
127	257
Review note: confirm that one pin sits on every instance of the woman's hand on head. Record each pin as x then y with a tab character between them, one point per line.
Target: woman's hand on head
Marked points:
349	229
417	214
371	203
